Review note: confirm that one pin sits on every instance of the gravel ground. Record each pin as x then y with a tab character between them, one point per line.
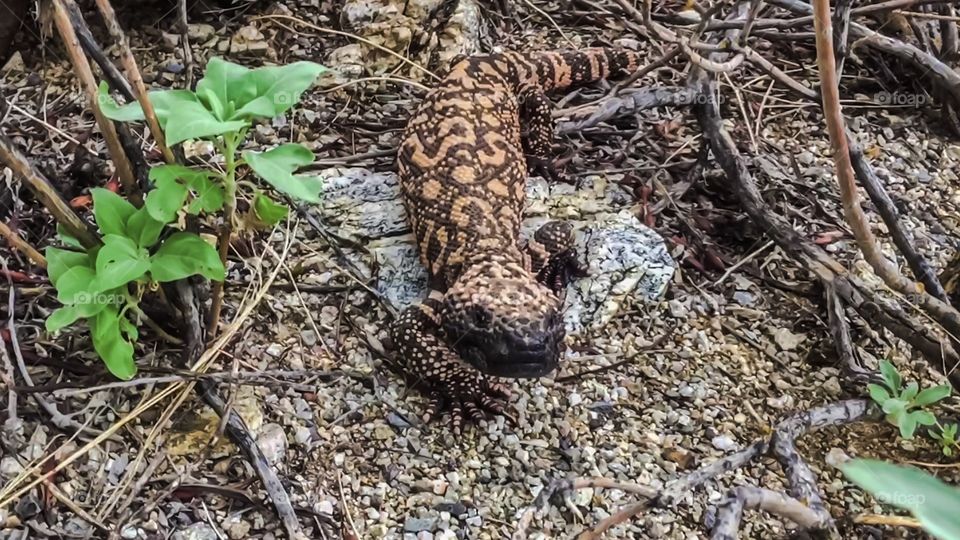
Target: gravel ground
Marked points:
669	385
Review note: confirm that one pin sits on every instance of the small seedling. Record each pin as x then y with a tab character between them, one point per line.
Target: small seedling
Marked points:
947	437
905	406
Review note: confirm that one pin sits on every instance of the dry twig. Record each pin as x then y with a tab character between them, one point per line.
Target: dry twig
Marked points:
48	195
88	82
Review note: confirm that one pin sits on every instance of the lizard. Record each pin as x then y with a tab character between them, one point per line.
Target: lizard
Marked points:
495	300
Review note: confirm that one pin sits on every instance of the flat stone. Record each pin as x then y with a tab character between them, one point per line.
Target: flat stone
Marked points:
415	525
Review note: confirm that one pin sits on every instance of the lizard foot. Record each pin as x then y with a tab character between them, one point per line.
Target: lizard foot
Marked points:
561	270
474	406
547	169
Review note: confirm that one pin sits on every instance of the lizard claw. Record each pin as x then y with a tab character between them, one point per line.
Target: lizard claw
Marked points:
475	406
562	269
545	168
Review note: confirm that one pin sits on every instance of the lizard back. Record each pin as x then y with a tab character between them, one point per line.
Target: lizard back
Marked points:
461	163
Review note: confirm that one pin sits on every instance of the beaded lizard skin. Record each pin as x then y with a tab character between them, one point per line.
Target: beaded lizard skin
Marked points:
495	304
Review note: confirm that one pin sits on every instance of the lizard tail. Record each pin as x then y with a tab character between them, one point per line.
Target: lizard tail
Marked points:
558	70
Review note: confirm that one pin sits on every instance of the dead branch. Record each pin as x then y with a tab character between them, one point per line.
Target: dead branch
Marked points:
240	434
185	44
841	28
130	144
730	511
888	212
235	427
840	332
46	193
880	311
854	214
802	505
633	102
88	82
21	245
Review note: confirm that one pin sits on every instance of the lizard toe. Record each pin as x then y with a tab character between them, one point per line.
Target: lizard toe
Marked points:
435	405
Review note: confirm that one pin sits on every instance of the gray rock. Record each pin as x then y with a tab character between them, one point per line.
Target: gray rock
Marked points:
197	531
200	32
272	441
415	525
723	442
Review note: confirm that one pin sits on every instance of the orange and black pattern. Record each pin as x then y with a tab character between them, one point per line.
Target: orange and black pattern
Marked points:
463	166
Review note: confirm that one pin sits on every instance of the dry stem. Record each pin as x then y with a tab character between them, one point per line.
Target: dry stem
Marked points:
88	82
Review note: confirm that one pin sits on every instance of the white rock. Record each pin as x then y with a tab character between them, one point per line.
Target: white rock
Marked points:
787	340
723	442
272	441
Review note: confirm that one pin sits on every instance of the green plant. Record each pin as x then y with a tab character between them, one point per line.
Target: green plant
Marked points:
105	284
947	437
930	500
905	406
95	284
228	100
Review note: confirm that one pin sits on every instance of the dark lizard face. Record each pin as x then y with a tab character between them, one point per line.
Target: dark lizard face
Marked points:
503	322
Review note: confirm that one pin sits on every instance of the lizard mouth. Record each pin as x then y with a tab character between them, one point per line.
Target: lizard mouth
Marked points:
515	359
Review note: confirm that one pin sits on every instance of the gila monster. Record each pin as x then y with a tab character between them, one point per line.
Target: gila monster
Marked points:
494	309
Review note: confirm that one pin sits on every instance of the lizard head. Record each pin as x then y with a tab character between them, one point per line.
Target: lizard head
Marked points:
503	321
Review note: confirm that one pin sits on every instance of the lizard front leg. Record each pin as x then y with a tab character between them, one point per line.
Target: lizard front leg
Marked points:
538	135
450	380
552	256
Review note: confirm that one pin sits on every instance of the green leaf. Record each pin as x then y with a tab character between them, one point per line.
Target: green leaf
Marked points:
948	451
878	394
234	92
116	352
207	196
932	395
119	262
168	196
143	229
122	113
111	211
894	406
268	211
183	255
61	260
278	88
76	286
907	424
225	87
931	501
191	120
950	430
67	239
174	183
910	391
924	418
276	166
890	376
62	318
